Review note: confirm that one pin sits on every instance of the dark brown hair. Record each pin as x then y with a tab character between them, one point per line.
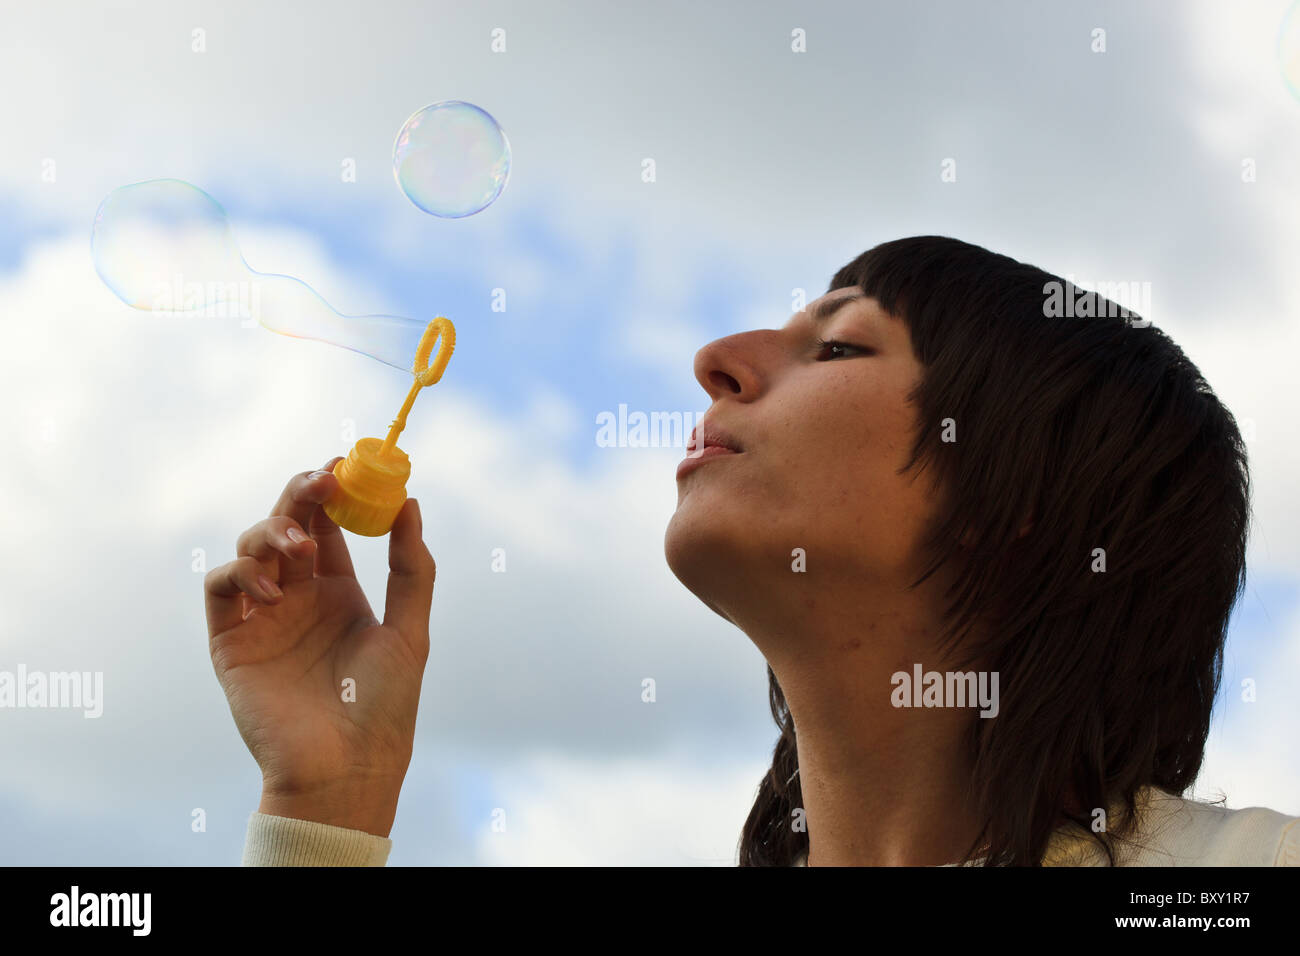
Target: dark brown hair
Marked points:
1098	429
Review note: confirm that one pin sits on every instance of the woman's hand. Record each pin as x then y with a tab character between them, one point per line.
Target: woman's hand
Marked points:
322	693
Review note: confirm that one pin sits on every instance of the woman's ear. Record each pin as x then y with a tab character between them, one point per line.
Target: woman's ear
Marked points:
1027	526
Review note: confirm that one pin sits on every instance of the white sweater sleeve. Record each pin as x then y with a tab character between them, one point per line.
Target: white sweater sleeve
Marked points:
284	841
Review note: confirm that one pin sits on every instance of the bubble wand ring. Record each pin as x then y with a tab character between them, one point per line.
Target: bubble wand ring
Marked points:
372	478
440	330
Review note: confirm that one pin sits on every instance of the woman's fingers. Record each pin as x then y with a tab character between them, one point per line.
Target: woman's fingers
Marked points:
332	556
300	500
225	587
304	493
273	538
410	578
278	551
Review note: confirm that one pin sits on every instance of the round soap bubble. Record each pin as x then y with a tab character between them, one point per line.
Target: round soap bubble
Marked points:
1288	49
166	246
451	159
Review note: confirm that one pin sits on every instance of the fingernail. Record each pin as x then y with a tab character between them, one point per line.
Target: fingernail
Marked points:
419	519
268	586
318	474
296	536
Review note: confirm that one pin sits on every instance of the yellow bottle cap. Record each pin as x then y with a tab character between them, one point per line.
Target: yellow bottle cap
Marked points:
372	488
372	478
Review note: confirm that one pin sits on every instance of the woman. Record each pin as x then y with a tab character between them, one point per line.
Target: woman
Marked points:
987	545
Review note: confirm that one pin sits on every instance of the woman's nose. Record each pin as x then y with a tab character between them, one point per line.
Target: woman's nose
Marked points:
729	366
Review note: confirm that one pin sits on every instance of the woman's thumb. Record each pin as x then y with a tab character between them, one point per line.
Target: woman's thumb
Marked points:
411	571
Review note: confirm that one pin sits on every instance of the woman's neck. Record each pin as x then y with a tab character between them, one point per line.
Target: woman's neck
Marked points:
882	783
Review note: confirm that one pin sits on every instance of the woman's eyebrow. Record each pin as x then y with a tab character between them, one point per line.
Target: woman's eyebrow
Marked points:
825	309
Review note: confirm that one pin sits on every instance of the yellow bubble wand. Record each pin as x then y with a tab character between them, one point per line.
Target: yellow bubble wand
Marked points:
372	478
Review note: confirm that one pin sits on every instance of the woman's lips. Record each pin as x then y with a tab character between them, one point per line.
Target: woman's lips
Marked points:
694	460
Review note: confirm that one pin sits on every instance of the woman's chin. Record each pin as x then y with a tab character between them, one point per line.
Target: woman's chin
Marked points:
697	542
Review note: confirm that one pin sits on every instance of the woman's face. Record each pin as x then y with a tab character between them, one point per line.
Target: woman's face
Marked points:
823	432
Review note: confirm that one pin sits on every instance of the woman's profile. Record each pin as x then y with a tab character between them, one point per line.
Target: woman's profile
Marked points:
986	529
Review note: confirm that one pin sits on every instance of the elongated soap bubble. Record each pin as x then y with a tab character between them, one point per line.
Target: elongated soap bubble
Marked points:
167	246
451	159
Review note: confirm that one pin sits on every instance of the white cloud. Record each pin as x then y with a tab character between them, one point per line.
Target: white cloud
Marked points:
627	812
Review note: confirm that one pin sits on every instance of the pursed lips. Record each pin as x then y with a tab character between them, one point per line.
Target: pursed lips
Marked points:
711	437
705	444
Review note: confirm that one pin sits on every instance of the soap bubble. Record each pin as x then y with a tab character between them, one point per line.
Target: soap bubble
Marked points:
451	159
167	246
1288	49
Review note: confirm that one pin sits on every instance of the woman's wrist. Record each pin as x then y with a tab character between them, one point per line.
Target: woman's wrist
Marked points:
367	806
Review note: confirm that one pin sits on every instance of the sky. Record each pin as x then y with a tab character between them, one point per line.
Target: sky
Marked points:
140	445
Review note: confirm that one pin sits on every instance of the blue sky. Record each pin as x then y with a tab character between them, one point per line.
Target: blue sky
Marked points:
142	439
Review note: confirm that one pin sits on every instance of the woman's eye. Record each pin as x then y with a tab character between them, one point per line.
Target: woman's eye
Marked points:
834	349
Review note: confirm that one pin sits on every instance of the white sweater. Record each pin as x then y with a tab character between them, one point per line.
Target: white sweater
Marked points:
1176	832
1173	832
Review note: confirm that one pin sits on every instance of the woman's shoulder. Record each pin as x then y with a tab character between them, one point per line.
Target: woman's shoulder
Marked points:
1175	831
